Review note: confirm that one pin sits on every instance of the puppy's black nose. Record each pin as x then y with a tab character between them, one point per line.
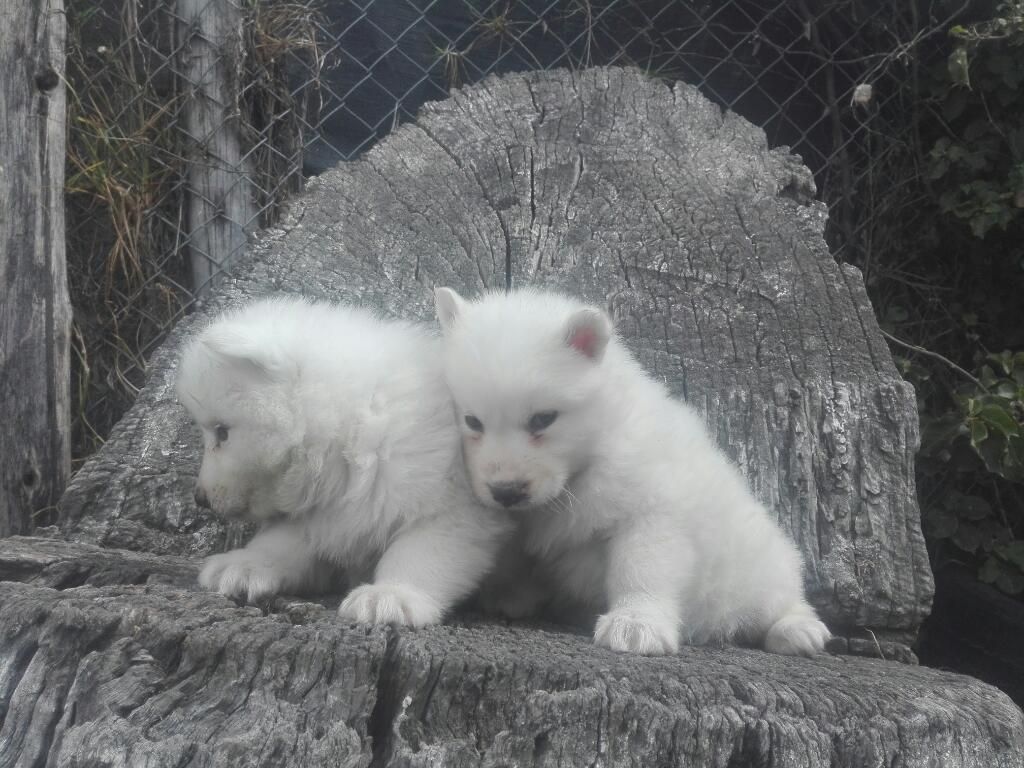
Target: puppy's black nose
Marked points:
201	498
508	494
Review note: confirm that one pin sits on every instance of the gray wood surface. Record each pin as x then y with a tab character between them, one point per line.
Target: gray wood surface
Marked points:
221	208
704	245
149	674
35	310
701	241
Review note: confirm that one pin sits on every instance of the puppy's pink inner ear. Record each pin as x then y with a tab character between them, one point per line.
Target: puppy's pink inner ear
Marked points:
584	340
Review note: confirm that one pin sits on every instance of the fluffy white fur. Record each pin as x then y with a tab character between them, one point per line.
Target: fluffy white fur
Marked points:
335	429
622	497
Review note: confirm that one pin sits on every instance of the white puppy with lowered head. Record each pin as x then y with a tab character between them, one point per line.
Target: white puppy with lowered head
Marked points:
334	429
621	496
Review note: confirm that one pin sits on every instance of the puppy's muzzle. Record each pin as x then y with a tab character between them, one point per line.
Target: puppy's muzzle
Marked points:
509	494
202	500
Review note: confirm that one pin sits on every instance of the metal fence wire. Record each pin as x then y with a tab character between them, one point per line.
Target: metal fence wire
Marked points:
191	121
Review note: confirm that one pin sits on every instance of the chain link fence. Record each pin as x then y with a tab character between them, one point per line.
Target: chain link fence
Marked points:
192	121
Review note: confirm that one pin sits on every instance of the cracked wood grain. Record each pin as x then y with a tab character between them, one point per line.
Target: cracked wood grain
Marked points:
701	241
155	673
705	247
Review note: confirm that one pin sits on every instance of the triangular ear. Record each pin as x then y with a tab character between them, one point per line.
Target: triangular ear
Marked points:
588	331
238	345
449	306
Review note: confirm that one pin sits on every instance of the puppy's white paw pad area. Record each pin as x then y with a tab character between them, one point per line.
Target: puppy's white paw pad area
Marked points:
636	632
242	575
390	604
797	635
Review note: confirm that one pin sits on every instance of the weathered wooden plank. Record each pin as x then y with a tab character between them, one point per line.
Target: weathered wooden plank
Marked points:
35	311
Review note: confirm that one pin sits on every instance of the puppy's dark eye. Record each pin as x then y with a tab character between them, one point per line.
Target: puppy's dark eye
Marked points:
474	423
221	433
541	421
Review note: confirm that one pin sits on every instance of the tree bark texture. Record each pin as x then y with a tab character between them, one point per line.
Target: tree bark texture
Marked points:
704	245
707	249
145	672
35	310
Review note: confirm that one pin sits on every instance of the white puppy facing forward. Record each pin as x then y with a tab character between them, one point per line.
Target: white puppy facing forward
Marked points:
334	428
622	497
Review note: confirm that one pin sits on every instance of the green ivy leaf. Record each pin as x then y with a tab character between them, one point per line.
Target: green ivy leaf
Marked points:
1012	467
1006	389
979	433
1004	360
993	452
959	66
997	417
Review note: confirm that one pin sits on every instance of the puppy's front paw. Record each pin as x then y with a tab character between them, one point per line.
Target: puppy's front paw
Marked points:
636	631
797	634
241	574
390	604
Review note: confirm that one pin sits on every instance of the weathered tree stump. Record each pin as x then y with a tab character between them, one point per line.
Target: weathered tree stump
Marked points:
154	675
706	248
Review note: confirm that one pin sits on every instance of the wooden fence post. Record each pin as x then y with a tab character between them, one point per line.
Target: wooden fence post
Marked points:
35	311
221	206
